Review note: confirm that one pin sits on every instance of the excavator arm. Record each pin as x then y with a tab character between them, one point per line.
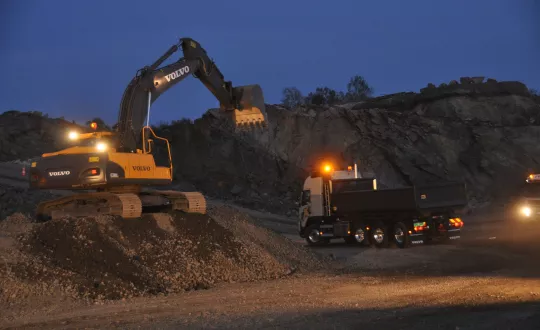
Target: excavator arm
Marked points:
245	104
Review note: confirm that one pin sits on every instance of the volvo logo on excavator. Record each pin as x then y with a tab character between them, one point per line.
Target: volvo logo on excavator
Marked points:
177	74
59	173
141	168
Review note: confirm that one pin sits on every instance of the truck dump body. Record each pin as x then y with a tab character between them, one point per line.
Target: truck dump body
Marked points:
408	199
445	195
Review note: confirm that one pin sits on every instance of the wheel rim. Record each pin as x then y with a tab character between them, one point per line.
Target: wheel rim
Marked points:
359	235
399	235
378	235
314	236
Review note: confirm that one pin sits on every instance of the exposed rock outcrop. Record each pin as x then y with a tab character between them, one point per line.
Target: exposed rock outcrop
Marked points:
483	133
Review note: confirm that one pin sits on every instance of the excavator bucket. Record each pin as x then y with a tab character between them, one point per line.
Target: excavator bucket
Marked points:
253	111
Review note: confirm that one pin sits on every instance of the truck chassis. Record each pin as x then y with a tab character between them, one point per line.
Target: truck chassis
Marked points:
381	231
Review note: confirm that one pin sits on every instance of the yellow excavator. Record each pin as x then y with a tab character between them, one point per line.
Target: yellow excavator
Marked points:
114	168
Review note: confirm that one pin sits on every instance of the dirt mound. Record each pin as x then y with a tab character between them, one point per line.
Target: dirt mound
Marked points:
112	258
255	237
15	199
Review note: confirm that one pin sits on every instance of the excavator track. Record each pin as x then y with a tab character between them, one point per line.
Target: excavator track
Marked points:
189	202
125	205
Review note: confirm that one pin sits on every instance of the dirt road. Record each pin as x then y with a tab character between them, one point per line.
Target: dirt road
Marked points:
489	280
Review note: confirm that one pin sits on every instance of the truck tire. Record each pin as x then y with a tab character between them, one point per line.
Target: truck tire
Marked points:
313	237
401	235
359	235
379	235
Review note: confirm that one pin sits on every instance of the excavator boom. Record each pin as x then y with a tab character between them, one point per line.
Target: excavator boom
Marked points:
244	105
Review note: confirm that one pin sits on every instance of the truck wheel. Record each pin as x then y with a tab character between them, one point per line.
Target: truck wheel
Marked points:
379	235
359	237
401	236
314	238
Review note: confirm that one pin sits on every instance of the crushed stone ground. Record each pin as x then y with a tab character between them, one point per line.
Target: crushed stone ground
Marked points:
108	258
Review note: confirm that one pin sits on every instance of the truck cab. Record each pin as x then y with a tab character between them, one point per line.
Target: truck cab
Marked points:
315	199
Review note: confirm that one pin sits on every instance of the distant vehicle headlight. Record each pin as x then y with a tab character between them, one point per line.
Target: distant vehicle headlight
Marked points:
73	135
526	211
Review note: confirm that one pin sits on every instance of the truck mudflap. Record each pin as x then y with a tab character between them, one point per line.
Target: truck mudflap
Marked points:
445	229
453	234
423	238
437	228
417	238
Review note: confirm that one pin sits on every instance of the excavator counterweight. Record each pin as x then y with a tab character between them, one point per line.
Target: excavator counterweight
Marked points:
117	165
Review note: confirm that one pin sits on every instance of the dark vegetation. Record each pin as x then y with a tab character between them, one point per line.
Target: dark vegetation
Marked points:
358	89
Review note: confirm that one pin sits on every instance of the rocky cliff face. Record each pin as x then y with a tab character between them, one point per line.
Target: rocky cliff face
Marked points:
226	165
486	134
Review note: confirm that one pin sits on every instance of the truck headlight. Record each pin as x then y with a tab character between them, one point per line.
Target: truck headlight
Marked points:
526	211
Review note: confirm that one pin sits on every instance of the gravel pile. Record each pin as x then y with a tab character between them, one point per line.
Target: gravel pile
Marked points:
109	258
15	199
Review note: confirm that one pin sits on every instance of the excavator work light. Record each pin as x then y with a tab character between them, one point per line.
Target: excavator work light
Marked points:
101	146
73	135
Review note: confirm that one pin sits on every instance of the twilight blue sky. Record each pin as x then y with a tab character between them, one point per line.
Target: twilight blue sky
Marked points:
75	58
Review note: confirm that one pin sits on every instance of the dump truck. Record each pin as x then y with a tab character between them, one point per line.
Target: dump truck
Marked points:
340	204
